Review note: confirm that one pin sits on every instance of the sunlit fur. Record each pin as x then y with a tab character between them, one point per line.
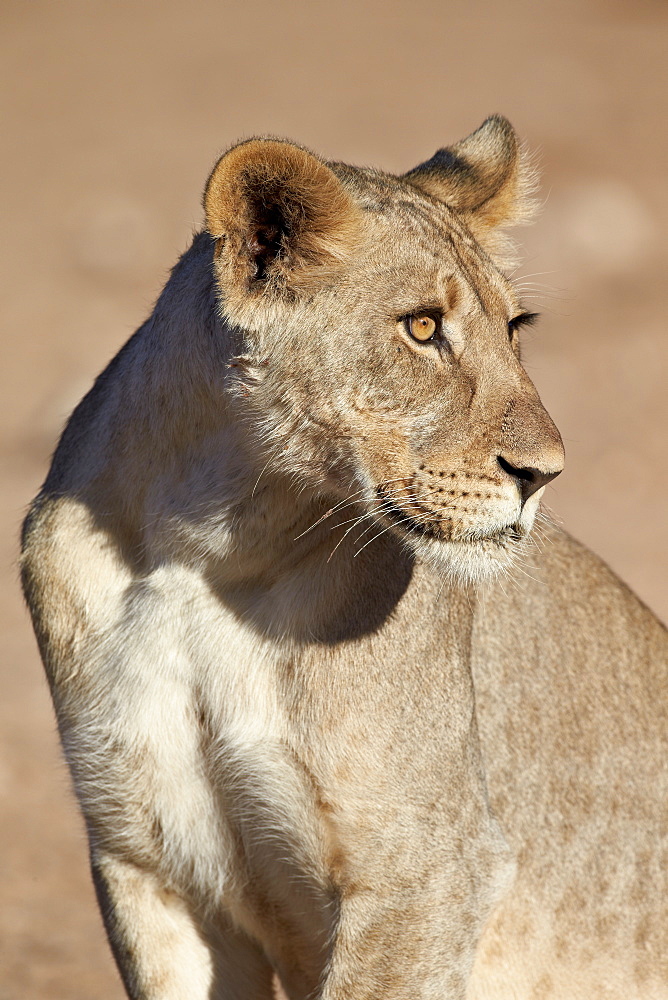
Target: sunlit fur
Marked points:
341	362
304	744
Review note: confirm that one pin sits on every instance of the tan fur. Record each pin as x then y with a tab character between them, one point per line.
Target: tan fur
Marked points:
259	178
330	713
490	180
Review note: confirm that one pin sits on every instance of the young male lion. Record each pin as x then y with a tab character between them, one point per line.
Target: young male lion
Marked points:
304	740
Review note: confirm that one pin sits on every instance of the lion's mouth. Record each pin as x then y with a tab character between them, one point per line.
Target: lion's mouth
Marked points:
499	536
404	520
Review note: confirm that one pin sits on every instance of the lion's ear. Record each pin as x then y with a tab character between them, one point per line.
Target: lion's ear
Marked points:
486	177
283	218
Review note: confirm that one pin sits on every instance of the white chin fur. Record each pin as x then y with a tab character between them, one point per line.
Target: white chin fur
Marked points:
467	562
479	559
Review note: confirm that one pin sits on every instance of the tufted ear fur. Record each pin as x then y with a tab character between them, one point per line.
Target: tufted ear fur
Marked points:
284	220
486	177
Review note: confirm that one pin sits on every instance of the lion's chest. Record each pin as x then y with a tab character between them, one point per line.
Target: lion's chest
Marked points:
201	782
274	781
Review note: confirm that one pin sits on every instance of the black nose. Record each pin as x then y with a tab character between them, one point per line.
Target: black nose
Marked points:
528	480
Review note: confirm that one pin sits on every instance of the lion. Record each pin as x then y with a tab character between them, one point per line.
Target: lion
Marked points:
335	715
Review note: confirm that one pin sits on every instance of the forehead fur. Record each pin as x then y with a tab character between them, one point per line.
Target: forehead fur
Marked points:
415	209
288	223
417	240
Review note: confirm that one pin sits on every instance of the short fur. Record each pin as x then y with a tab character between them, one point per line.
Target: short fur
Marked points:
305	740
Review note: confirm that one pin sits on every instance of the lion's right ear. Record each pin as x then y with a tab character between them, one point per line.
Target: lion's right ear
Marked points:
283	218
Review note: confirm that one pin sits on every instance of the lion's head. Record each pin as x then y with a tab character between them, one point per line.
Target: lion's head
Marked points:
378	338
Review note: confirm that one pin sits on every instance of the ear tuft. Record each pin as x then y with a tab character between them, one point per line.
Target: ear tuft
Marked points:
284	219
487	177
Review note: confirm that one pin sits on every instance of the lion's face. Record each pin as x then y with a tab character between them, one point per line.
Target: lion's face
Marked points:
386	371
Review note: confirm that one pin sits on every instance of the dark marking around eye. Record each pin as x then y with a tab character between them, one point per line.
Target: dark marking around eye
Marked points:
524	319
423	327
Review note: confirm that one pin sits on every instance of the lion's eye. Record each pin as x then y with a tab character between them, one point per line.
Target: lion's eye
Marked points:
422	327
524	319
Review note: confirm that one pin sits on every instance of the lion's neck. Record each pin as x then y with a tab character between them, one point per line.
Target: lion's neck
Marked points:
273	554
190	486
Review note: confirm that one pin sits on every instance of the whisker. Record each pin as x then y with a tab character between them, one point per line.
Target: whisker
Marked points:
342	503
346	533
373	515
375	537
357	521
394	494
260	476
402	491
422	520
535	274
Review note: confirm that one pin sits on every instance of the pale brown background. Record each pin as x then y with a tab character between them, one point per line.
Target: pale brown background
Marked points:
114	113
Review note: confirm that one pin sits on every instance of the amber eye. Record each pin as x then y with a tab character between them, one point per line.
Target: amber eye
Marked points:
422	327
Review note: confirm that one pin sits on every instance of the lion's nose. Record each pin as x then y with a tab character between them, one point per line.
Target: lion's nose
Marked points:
528	480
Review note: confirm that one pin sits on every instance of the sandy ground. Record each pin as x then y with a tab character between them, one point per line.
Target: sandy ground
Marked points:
113	114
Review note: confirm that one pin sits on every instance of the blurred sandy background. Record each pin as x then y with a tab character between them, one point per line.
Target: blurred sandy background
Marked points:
114	113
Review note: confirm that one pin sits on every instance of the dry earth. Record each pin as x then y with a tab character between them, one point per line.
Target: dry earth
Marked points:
113	114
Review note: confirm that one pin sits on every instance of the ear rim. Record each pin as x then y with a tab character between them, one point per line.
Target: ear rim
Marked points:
213	180
280	175
489	175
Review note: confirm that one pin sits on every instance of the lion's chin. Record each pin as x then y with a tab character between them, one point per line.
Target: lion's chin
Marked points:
478	555
471	561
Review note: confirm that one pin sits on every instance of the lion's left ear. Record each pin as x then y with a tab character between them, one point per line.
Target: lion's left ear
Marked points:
485	177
